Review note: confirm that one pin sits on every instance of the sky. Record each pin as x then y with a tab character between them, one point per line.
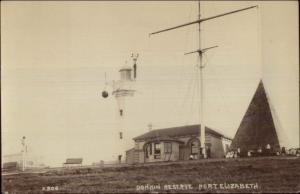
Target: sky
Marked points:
54	56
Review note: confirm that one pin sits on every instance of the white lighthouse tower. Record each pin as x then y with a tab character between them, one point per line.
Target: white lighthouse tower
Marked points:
123	89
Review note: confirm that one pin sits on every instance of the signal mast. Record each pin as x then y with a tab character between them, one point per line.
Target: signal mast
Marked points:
201	51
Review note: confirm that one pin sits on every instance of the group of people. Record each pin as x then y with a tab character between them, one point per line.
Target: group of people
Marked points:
259	152
267	151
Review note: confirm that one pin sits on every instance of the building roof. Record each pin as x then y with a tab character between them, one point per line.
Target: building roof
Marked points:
257	128
163	138
176	132
73	161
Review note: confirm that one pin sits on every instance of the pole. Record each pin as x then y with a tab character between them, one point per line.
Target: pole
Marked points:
23	153
23	160
201	116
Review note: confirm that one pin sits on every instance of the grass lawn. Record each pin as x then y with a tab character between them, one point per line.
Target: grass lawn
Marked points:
244	175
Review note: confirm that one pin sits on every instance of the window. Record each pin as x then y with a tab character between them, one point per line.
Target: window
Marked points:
168	147
148	150
157	148
136	145
226	148
194	147
157	151
121	135
121	112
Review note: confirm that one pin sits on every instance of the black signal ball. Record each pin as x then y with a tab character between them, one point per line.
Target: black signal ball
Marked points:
104	94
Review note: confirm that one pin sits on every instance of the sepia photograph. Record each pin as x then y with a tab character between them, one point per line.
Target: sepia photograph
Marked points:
150	97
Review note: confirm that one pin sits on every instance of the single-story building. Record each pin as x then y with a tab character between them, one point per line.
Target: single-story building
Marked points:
10	166
73	162
176	143
16	160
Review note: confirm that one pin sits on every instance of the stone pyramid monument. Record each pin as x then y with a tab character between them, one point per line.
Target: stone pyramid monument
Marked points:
257	128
